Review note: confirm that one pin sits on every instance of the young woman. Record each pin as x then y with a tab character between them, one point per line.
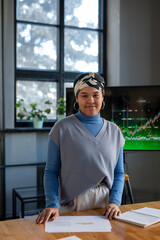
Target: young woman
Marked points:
84	168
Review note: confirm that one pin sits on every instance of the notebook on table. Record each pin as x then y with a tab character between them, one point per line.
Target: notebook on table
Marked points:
142	217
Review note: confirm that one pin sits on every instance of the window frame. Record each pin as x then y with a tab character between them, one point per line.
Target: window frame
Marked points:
60	76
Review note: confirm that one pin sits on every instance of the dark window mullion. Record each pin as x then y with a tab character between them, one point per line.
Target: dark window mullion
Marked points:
61	49
101	45
84	28
36	23
24	73
70	76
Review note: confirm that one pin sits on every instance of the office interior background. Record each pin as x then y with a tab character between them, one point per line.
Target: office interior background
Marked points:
127	43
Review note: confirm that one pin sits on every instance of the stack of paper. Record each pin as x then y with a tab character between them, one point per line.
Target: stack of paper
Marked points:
142	217
79	224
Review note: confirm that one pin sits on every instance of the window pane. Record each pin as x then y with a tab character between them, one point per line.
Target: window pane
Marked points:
38	92
81	13
36	47
81	50
44	11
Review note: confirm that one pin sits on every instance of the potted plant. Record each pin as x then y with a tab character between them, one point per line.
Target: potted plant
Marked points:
61	108
38	115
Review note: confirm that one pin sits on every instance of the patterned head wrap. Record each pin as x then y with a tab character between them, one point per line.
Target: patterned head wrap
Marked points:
88	80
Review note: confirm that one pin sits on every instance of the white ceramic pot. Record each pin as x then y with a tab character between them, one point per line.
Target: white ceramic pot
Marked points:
37	123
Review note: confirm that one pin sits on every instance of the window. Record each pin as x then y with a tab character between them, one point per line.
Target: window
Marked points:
55	41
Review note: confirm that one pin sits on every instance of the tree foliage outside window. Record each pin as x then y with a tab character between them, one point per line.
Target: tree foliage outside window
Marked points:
36	47
44	38
40	11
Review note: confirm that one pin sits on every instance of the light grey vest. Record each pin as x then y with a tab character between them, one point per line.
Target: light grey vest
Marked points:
85	160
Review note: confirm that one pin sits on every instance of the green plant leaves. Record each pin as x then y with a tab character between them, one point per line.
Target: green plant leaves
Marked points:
34	113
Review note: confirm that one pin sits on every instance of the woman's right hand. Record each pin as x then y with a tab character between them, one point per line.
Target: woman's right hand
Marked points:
47	214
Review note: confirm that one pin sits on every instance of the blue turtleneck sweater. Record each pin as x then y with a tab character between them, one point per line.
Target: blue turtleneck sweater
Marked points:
93	124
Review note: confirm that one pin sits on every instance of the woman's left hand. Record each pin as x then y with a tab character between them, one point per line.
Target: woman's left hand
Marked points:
112	210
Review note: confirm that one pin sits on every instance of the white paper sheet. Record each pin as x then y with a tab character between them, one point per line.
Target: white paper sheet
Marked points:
79	224
70	238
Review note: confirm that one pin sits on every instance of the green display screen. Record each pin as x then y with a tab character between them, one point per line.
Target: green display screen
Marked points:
136	110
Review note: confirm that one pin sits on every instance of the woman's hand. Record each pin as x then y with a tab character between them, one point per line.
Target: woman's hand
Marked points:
112	210
47	214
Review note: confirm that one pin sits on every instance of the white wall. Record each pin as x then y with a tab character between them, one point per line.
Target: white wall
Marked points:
135	36
133	42
139	65
139	42
113	42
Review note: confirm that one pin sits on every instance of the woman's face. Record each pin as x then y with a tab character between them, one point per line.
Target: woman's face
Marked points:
90	101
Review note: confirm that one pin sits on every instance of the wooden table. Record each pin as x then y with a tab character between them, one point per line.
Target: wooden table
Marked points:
26	228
